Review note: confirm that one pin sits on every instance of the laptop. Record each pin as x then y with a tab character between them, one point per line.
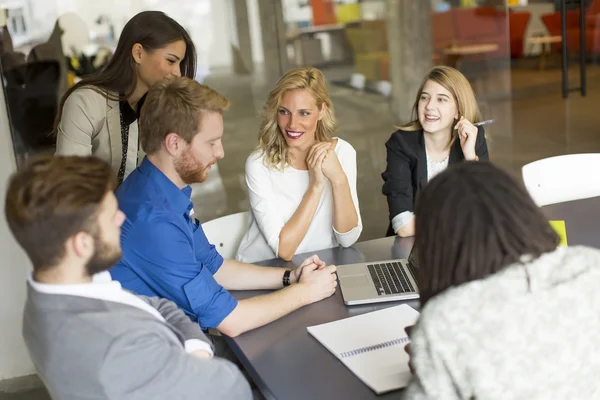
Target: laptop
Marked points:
380	281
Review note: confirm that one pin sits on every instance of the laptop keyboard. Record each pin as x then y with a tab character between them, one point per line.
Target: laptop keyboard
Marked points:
411	269
390	278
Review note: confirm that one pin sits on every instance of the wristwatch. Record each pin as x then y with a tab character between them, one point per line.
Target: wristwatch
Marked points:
286	277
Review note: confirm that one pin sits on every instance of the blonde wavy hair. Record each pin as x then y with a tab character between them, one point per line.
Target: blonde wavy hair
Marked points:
270	139
460	88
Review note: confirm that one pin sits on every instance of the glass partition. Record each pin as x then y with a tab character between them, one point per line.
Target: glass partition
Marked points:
509	50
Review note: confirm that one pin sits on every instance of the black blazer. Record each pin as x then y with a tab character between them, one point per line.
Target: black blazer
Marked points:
406	170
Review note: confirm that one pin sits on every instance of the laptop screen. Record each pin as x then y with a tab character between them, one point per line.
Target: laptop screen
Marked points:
413	257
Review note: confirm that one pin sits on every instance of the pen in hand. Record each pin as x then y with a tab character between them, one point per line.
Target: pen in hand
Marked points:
489	121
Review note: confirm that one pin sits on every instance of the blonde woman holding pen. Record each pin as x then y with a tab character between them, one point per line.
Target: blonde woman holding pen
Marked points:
444	131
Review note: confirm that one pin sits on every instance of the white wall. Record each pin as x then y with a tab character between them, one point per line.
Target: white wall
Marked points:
255	32
292	12
207	21
14	268
119	11
220	52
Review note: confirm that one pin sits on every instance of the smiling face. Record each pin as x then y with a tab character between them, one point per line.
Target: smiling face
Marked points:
159	64
437	108
297	118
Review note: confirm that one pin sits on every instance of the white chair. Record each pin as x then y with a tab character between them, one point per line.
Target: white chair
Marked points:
76	33
563	178
226	233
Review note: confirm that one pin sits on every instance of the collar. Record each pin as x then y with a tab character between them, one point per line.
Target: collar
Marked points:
127	113
178	199
101	288
124	103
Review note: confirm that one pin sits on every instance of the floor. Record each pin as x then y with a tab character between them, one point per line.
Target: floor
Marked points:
34	394
532	121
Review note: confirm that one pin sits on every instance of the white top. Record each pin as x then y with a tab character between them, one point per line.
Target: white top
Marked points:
274	197
104	288
433	169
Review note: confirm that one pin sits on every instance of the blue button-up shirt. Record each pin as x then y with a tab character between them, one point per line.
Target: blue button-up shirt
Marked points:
165	250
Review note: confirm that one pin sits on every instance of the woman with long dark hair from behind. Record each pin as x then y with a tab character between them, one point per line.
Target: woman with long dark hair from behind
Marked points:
99	115
505	313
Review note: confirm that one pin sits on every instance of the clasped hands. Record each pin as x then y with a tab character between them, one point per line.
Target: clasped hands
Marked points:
324	165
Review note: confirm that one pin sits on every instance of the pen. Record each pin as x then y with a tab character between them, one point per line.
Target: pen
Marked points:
489	121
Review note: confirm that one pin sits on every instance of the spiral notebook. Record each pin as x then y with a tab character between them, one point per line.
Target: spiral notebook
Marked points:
371	345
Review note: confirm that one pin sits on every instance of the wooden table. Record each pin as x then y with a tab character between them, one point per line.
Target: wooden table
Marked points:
456	52
545	42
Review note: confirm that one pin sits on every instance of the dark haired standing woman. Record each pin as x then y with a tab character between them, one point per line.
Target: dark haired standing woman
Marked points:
99	115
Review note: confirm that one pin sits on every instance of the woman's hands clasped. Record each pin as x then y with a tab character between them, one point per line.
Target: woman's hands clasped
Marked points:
324	165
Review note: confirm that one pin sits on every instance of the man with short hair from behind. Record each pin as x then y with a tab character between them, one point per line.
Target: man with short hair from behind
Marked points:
89	338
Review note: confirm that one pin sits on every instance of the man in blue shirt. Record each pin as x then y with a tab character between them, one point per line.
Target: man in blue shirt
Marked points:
165	251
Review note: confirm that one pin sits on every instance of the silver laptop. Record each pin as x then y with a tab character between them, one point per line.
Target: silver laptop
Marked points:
379	281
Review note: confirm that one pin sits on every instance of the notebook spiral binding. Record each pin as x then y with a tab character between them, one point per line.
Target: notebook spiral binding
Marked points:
367	349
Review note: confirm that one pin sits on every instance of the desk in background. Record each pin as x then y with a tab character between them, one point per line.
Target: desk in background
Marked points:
320	46
582	220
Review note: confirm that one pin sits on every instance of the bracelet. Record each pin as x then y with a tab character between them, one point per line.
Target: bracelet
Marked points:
286	277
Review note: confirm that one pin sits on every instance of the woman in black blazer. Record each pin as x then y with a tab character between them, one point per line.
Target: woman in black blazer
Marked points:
441	134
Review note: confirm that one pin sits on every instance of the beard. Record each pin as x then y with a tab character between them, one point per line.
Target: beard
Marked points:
190	170
105	257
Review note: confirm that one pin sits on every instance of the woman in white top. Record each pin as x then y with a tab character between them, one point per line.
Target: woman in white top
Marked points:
301	179
441	134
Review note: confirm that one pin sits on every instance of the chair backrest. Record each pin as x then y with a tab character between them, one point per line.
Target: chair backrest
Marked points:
12	59
31	90
563	178
44	52
226	233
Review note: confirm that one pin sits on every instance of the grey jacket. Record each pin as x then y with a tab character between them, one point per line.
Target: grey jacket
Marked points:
84	348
